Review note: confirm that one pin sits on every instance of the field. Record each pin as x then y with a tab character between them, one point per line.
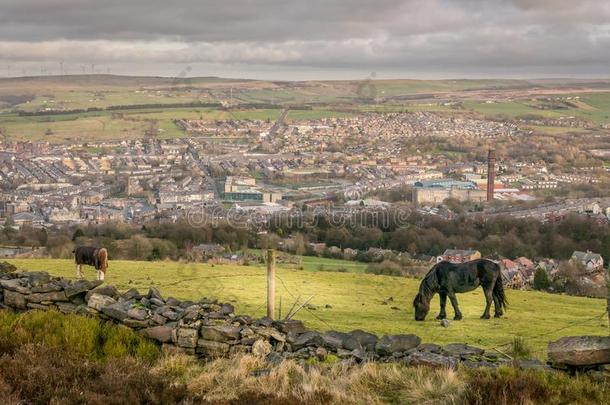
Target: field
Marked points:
351	300
512	98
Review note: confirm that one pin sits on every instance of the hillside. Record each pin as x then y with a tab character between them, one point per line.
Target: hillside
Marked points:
347	301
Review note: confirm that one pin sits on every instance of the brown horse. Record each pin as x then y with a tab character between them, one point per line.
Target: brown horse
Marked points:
92	256
447	279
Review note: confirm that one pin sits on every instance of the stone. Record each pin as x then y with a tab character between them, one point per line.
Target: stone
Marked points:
291	326
334	340
430	347
261	348
172	302
580	351
243	320
220	333
226	309
212	349
321	353
14	285
33	305
132	293
274	358
6	267
116	311
135	323
462	350
358	339
158	318
78	299
156	302
310	338
107	290
161	333
14	299
264	321
445	323
154	293
271	333
430	359
190	315
45	288
187	337
137	313
81	286
66	307
48	296
36	278
390	344
99	301
171	315
361	355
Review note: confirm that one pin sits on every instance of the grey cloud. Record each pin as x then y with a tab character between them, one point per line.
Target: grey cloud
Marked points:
468	37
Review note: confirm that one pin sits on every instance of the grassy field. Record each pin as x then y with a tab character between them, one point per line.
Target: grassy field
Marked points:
346	301
101	91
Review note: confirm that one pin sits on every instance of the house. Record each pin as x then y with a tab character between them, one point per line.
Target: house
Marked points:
28	219
459	255
591	261
349	253
206	250
318	248
526	267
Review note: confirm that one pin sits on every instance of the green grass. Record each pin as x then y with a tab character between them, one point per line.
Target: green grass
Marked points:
357	301
81	335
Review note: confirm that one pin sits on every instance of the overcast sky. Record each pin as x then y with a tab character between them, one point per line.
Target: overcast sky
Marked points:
308	39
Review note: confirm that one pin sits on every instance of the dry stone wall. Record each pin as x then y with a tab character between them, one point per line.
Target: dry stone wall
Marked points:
210	329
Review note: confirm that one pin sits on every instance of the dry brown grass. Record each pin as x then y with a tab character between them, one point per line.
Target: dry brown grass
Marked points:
248	379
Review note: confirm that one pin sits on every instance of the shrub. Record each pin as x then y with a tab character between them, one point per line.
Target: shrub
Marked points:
386	267
541	279
36	373
515	386
88	337
519	349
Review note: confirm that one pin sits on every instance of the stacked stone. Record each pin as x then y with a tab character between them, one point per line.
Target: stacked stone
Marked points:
210	329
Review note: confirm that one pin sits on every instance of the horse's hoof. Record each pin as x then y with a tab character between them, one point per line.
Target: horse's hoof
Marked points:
485	316
457	318
497	315
440	317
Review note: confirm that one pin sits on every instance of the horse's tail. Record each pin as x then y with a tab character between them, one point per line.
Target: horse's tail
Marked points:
498	292
103	258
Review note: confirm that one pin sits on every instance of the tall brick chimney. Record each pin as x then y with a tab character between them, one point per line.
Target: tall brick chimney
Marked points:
491	174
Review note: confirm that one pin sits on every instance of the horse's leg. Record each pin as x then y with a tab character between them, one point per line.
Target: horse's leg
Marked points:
497	308
79	271
442	314
488	300
454	303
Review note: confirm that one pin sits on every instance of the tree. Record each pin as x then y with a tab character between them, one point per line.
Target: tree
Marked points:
541	279
77	234
139	248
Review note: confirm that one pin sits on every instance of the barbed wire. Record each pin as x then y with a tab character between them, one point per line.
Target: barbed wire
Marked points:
305	307
547	333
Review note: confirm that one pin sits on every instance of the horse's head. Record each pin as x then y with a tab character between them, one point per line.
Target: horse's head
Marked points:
422	307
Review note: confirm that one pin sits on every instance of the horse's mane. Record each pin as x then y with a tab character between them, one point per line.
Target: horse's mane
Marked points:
429	284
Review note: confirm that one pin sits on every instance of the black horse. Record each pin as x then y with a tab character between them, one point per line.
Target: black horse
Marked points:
447	279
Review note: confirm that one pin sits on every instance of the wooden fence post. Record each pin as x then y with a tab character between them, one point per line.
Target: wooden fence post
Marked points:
271	283
608	293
